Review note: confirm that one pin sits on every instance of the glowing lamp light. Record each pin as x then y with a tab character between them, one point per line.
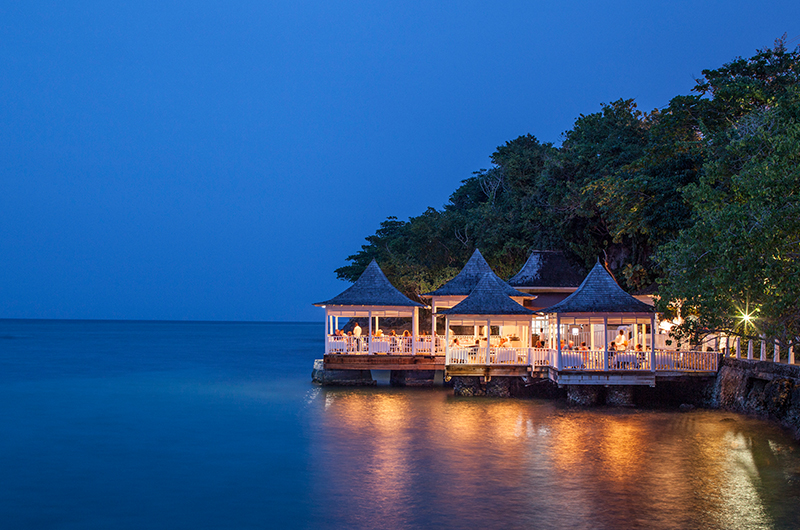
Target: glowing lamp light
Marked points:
575	331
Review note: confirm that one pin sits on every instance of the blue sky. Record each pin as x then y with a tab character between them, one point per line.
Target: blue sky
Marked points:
218	160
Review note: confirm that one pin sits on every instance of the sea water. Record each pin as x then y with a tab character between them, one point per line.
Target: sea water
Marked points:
216	425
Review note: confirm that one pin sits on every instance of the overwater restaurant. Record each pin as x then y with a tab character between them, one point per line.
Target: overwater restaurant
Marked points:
373	297
544	319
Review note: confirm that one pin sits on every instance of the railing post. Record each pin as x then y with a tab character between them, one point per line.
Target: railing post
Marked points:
750	349
776	353
763	356
791	353
738	347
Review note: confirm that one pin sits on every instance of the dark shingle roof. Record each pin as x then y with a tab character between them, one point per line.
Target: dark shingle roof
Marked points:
599	293
466	280
487	298
372	289
547	268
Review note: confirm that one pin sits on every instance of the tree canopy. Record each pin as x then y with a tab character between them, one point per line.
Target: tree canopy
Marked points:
696	203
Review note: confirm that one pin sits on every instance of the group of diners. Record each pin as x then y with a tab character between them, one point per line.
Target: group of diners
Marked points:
478	342
619	344
356	332
355	341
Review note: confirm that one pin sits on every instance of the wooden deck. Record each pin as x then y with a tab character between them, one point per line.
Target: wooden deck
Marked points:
339	361
483	370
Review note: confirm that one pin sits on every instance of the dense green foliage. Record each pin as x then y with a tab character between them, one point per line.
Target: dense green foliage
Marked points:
698	200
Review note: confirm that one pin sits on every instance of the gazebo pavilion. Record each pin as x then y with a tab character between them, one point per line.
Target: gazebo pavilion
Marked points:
371	296
457	289
596	313
549	278
488	305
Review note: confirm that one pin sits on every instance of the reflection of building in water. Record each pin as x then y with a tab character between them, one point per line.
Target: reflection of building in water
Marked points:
589	468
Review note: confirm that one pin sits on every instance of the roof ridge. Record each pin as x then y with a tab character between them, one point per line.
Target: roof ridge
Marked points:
371	289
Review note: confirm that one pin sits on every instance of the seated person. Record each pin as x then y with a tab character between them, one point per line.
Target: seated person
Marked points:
621	342
583	347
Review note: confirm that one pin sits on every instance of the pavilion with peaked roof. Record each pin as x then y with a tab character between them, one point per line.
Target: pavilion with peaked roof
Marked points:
488	305
460	287
597	313
371	296
549	276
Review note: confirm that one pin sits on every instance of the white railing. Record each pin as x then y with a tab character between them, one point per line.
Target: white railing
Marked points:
347	344
687	361
629	360
385	345
540	357
592	360
497	356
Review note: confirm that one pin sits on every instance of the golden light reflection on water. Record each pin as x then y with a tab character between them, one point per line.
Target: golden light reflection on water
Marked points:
393	455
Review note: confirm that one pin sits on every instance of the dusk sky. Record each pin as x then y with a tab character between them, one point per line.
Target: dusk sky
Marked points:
218	160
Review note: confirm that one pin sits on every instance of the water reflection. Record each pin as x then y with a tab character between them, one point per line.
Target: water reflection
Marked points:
421	458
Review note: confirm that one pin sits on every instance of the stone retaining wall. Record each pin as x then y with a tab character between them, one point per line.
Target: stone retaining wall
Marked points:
760	388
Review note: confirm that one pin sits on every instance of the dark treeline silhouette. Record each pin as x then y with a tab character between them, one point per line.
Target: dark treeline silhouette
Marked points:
696	202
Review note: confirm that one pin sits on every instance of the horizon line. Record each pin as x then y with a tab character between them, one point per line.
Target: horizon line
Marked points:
163	320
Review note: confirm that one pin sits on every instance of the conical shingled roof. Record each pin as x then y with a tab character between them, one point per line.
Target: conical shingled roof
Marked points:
487	298
599	293
372	289
466	280
547	268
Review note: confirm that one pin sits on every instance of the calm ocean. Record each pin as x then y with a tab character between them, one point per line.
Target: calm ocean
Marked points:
150	425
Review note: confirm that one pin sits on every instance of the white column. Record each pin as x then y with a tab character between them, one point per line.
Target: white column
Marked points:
558	341
791	353
605	344
488	340
327	346
763	349
433	318
750	349
369	336
377	323
776	353
446	340
414	330
652	343
529	335
336	322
